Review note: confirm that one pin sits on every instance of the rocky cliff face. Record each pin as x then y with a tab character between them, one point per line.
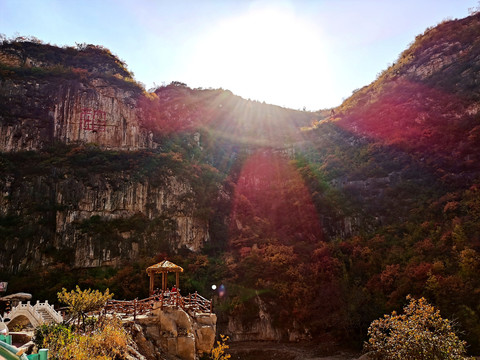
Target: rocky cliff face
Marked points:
52	96
100	113
111	199
70	95
98	221
263	328
37	113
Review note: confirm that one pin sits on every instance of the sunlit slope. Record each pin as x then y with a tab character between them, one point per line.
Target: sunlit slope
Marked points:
428	102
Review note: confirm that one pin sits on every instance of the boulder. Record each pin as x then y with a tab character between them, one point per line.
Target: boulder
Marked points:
186	347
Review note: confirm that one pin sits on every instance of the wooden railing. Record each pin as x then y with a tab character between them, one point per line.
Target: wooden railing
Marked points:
193	303
130	308
197	303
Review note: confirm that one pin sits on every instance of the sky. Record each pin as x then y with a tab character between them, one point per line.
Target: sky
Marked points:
301	54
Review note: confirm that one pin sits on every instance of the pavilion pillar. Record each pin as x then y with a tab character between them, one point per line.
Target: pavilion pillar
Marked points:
178	289
152	279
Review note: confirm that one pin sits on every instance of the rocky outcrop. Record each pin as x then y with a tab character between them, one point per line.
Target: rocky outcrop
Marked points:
174	332
435	58
262	328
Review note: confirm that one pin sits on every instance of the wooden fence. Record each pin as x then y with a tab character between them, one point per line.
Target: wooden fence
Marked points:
193	303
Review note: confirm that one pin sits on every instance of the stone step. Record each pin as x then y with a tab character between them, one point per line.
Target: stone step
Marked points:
45	315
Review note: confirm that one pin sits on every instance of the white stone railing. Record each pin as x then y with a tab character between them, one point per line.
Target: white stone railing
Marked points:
50	309
28	311
33	313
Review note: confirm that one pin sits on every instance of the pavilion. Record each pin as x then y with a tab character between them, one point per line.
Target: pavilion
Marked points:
164	268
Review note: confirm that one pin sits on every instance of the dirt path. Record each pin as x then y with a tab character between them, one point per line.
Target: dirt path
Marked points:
253	350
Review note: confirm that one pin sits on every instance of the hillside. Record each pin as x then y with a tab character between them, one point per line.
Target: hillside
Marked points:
427	103
404	150
314	224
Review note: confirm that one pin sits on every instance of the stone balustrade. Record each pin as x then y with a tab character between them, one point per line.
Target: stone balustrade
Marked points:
38	314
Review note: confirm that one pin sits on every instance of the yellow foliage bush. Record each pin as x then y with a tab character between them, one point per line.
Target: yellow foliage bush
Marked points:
103	339
108	341
81	302
218	352
418	334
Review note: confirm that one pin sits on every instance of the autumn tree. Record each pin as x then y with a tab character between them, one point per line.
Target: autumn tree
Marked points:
418	334
104	338
81	302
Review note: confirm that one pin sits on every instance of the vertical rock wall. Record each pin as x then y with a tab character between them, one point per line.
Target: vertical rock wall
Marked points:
97	221
38	112
99	113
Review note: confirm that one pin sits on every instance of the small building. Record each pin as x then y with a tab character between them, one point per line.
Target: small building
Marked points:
163	268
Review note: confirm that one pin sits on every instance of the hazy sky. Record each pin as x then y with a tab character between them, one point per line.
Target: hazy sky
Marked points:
296	53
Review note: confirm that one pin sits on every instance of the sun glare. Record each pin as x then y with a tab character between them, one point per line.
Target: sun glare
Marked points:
267	54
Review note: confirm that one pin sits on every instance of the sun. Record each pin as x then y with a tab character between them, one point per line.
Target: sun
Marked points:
266	54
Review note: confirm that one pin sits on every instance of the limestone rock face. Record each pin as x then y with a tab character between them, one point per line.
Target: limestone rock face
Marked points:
111	200
204	330
70	95
52	96
437	57
40	112
96	202
205	339
144	346
185	345
262	328
99	113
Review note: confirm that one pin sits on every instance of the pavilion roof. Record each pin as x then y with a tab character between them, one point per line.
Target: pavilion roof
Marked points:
164	267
